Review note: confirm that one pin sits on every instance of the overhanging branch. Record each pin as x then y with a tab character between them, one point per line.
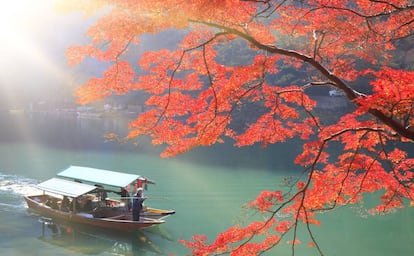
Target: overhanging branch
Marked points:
352	95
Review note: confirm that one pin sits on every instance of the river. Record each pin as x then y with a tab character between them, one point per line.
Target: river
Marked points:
207	187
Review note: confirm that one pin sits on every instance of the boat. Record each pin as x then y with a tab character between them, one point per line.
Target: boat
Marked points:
108	180
52	204
81	114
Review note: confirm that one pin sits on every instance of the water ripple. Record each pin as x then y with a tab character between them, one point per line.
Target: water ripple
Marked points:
12	189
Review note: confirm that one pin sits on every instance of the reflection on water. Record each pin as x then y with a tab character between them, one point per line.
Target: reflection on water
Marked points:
82	134
98	241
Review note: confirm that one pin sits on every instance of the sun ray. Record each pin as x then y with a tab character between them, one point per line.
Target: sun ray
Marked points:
32	45
28	62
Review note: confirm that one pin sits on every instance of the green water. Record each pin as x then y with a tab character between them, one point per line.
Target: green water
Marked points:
207	188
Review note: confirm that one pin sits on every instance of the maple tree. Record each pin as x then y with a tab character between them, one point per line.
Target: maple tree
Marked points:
195	96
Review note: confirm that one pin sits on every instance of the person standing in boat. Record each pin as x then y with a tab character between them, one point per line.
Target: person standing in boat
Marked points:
137	201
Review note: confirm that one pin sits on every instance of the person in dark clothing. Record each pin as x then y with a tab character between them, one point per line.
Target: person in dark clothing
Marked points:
65	206
103	195
125	198
52	203
137	204
87	206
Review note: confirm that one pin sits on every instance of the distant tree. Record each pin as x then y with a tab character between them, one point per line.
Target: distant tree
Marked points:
193	97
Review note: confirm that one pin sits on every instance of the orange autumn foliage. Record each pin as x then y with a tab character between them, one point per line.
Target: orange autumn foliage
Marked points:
195	97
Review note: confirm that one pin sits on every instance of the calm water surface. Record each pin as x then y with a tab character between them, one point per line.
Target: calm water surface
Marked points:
207	188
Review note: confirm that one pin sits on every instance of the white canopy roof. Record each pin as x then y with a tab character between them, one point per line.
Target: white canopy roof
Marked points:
65	187
99	176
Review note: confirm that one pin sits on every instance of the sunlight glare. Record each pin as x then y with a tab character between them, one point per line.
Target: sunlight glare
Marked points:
28	64
19	19
19	16
21	23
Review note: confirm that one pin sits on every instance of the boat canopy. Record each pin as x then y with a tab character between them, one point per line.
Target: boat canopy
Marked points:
99	176
65	187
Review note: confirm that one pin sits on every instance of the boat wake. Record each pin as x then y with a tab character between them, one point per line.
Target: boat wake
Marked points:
12	189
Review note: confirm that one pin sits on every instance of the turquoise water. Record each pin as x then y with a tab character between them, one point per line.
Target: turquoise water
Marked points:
207	188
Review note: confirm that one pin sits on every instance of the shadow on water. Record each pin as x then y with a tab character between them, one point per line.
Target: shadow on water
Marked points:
95	241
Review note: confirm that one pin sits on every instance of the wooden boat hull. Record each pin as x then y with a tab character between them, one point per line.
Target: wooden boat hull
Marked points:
121	222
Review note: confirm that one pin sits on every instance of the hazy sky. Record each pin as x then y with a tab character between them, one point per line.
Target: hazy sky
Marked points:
34	36
33	40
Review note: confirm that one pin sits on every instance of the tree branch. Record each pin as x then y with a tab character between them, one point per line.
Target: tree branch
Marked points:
337	82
